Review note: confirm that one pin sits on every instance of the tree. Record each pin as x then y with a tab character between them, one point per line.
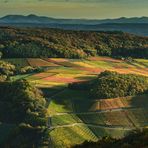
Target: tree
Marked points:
6	70
1	55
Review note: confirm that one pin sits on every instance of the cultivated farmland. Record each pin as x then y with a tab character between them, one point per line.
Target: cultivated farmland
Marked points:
62	71
74	116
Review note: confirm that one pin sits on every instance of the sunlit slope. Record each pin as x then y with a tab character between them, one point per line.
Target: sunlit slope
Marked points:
79	101
109	117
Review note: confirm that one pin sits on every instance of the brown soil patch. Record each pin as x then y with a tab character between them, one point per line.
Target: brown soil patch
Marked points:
61	79
36	62
92	70
112	103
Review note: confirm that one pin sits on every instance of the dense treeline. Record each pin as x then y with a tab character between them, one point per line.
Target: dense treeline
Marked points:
29	42
6	70
22	106
112	85
136	139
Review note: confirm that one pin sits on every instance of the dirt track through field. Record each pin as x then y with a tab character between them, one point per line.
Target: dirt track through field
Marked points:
94	125
94	112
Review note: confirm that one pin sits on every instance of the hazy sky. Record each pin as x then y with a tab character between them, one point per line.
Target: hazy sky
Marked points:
76	8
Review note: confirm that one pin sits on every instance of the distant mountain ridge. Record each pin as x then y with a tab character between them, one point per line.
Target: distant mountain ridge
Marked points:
134	25
48	20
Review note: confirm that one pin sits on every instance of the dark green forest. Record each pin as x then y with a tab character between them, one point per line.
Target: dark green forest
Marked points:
35	42
6	70
113	85
24	114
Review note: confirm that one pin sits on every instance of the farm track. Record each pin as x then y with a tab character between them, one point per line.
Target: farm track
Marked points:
115	127
94	112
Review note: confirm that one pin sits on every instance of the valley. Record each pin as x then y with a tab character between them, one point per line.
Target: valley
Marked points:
73	115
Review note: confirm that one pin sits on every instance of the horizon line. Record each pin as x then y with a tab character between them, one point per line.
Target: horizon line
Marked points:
126	17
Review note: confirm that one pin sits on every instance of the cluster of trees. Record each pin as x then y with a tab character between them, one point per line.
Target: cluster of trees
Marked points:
35	42
23	105
111	85
6	70
28	70
136	139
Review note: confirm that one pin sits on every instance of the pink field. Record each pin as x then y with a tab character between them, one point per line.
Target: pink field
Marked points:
35	62
61	79
62	62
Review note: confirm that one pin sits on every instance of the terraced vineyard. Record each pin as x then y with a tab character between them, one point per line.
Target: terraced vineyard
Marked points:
116	122
72	135
73	115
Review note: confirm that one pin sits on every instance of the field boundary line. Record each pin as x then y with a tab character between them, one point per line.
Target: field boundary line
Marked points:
92	125
94	112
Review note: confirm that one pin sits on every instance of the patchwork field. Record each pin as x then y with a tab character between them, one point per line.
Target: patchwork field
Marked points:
73	115
61	71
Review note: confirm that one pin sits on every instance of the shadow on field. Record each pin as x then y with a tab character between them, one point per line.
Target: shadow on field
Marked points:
139	101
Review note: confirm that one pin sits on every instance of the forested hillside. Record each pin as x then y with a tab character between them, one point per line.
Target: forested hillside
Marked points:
22	115
29	42
113	85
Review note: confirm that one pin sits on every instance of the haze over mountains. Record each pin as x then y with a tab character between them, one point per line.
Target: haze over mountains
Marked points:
48	20
136	25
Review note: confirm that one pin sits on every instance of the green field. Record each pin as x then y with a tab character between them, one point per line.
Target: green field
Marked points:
69	136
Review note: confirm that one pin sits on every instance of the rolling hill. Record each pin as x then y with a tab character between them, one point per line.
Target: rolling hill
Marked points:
73	115
36	42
